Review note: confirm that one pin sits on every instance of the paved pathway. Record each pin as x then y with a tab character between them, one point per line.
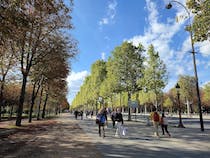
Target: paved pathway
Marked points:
187	142
65	139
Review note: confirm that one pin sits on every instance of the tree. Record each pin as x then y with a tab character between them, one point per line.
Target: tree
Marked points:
110	86
38	21
188	89
168	103
98	75
206	95
128	68
90	90
7	61
155	74
200	25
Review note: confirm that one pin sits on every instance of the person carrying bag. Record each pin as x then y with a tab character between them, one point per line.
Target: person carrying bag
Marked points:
119	123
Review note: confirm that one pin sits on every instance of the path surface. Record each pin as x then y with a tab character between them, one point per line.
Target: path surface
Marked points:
59	138
189	142
66	137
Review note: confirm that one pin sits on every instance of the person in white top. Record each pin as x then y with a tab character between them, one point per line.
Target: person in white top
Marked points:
164	125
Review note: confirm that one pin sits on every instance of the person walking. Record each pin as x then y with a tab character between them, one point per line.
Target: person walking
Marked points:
76	114
164	124
91	115
81	114
156	121
113	116
101	119
119	123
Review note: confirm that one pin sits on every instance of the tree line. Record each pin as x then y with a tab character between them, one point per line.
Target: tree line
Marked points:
35	51
135	76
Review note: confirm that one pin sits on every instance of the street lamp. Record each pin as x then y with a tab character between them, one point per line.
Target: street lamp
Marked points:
178	99
169	6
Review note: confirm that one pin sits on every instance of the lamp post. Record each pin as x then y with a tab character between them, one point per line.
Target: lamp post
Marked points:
169	6
178	99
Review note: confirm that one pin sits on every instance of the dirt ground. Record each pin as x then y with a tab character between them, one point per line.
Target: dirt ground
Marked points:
55	138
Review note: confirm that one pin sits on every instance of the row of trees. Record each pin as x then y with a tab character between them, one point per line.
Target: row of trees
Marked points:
127	72
35	48
131	76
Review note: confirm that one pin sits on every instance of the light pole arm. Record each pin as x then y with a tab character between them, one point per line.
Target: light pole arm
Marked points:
194	61
182	6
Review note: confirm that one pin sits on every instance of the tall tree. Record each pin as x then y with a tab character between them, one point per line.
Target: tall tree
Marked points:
128	68
110	86
98	74
206	95
155	74
7	61
188	89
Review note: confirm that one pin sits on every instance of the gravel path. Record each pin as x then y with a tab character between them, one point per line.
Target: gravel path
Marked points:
59	138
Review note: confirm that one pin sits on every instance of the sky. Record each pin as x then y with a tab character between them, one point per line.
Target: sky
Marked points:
102	25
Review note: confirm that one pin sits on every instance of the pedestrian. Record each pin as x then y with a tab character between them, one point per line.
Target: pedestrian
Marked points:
91	113
119	123
164	124
113	115
156	121
101	120
81	114
76	114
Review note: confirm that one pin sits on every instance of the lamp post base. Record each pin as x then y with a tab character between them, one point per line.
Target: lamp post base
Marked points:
181	126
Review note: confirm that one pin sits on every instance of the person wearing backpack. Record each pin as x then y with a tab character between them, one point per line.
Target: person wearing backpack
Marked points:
156	122
101	119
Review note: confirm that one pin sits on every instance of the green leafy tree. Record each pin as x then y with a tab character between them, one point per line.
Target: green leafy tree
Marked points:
206	95
168	103
155	74
110	86
188	89
90	90
128	68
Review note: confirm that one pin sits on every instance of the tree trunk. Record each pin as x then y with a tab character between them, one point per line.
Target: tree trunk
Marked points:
44	107
32	103
145	108
33	97
129	108
11	112
188	107
21	101
40	102
2	94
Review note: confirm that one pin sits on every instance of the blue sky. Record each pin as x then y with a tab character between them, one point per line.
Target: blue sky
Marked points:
101	25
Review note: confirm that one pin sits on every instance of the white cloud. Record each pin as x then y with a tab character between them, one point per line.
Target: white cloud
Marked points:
110	14
112	9
204	48
104	21
103	56
75	80
158	34
161	36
